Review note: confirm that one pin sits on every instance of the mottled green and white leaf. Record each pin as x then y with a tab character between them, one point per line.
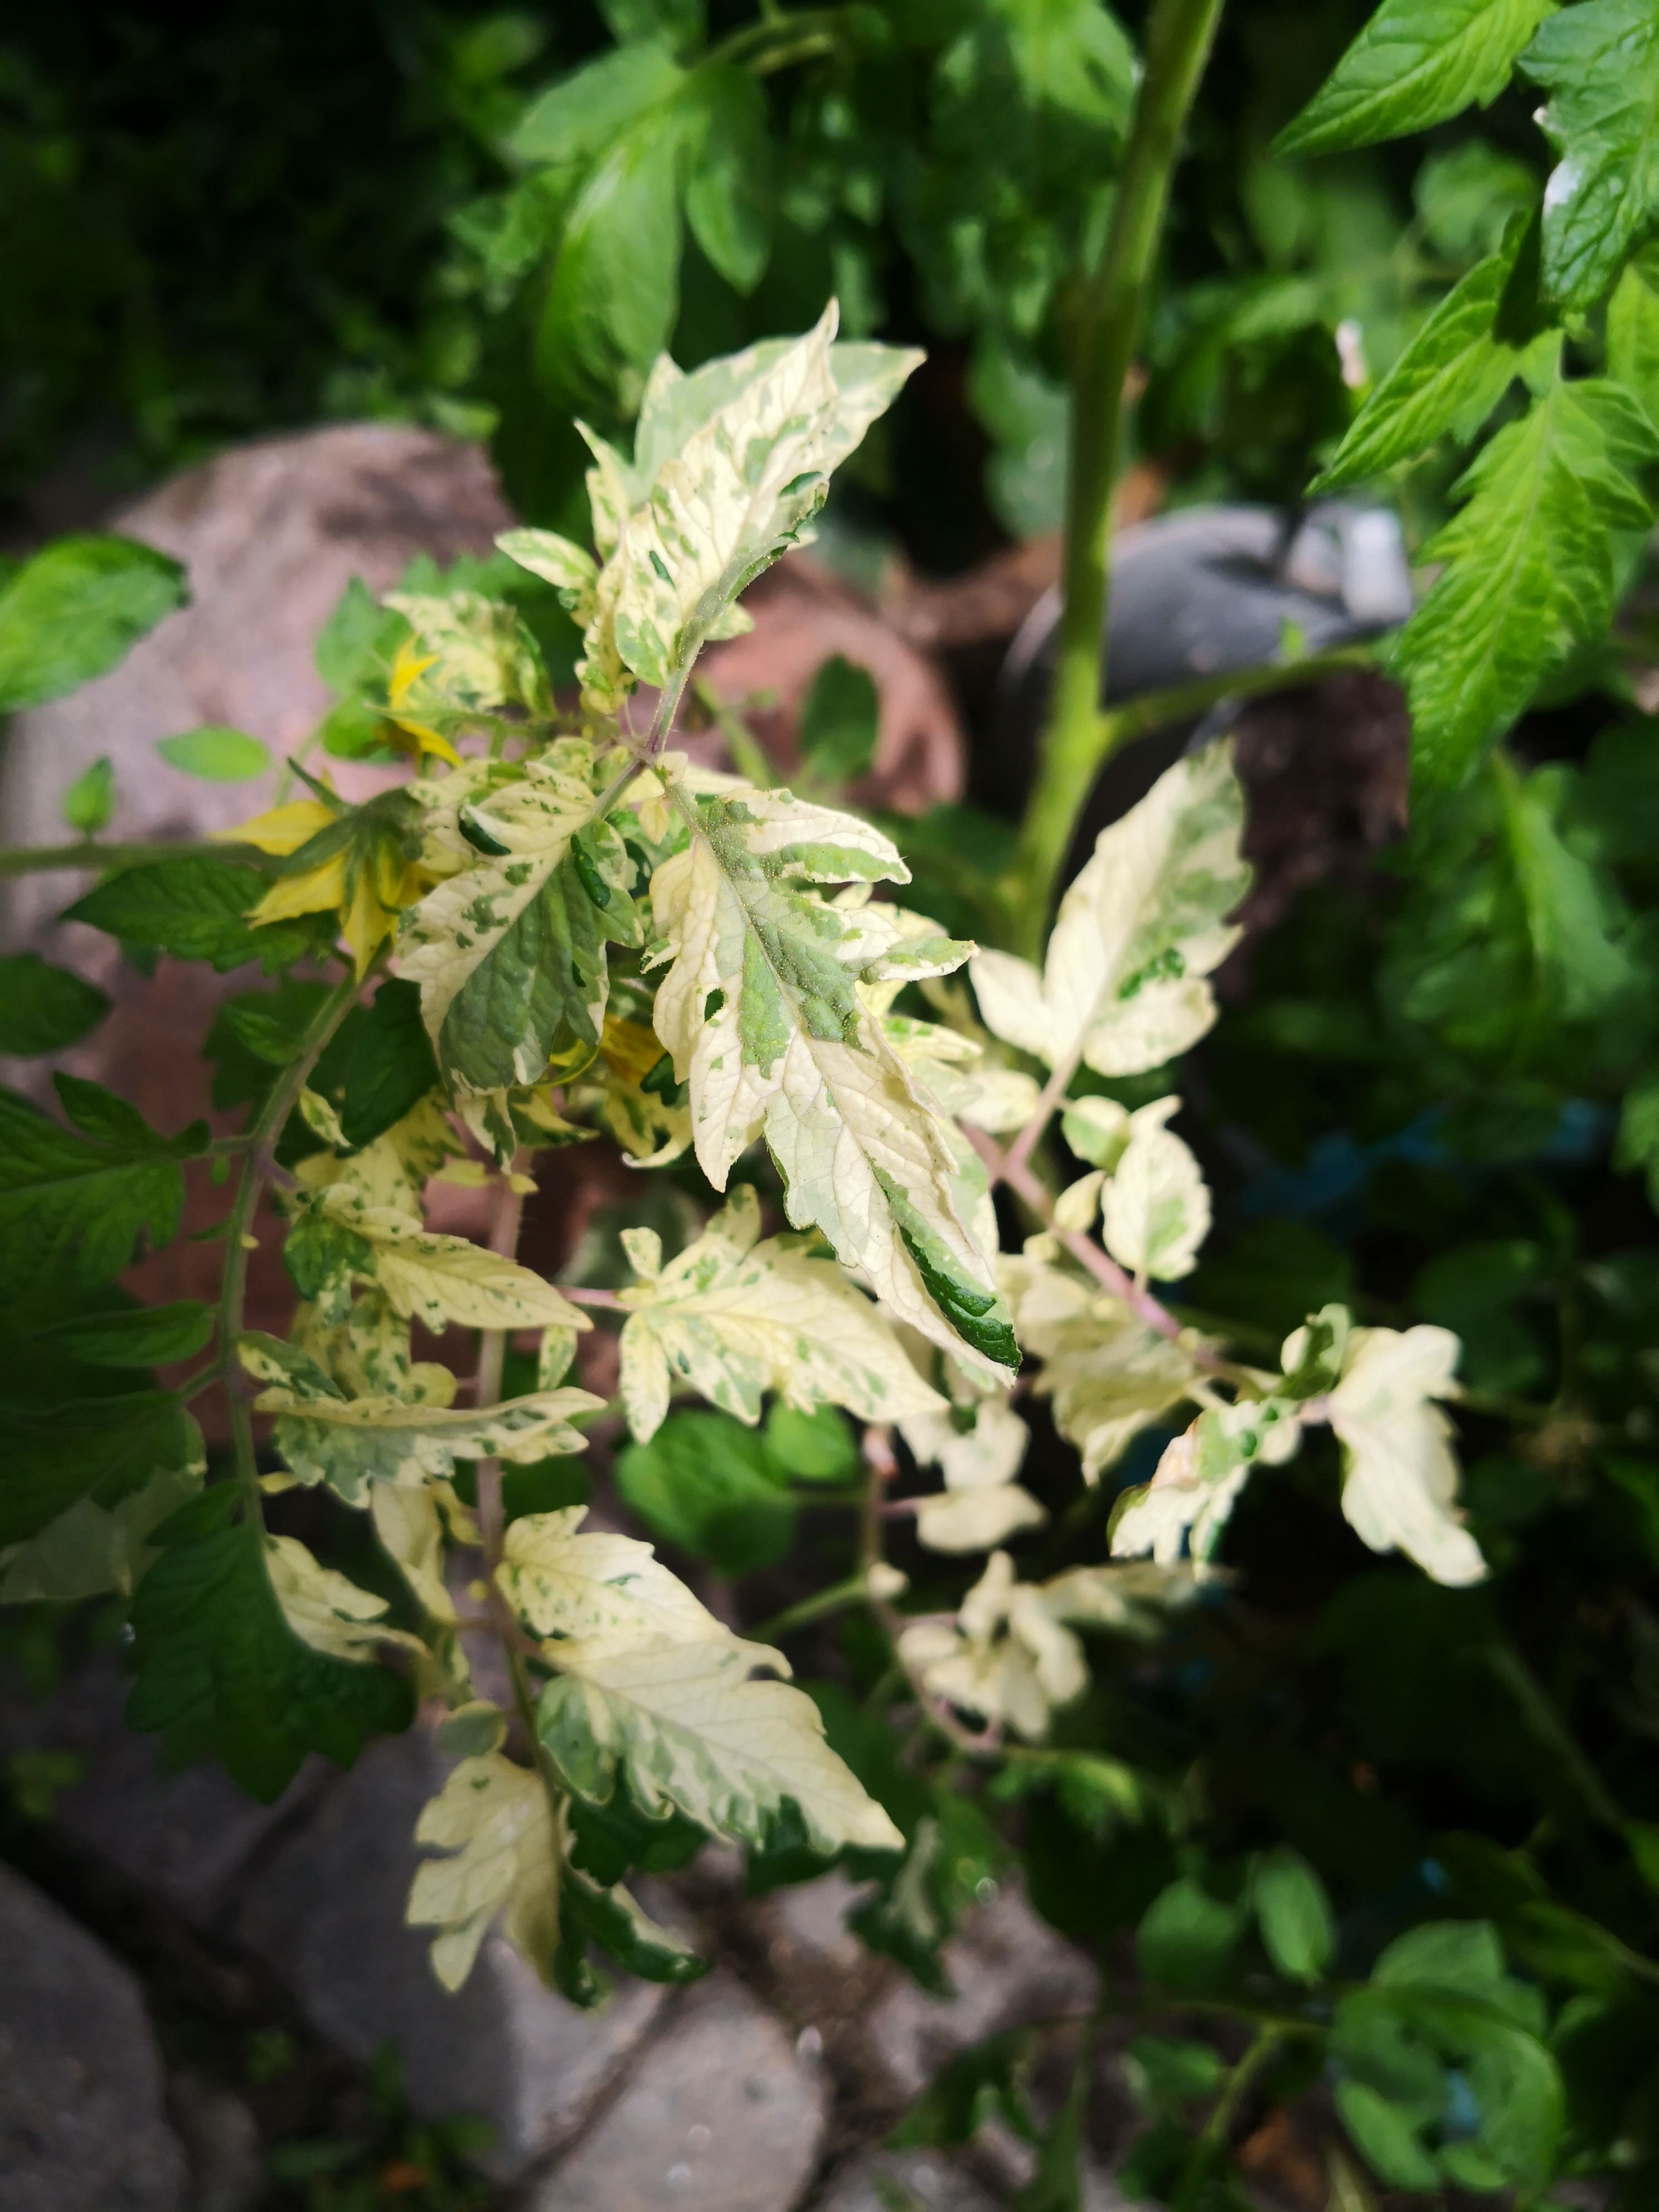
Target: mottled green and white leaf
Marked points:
689	1730
735	1316
1156	1211
597	1587
494	1821
1123	983
1399	1487
762	1014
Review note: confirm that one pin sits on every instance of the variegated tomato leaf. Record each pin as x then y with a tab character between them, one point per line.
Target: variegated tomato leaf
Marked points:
762	1012
734	1317
1123	985
510	952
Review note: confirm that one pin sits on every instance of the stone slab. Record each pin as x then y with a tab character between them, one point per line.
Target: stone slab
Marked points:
80	2088
1008	1968
183	1836
327	1915
724	2112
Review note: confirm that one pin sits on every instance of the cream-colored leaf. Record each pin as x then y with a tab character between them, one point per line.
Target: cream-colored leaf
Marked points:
479	654
1096	1129
1132	1598
734	1317
510	951
408	1524
762	1014
1079	1203
438	1279
976	1520
1156	1210
728	494
92	1548
1108	1373
326	1609
1007	1659
494	1819
1196	1483
1399	1490
988	1450
1143	925
690	1730
601	1587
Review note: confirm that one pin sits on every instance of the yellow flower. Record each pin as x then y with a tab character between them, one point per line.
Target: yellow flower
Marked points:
407	670
360	871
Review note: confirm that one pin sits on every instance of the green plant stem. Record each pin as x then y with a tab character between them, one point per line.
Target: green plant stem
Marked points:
1178	38
239	1228
1213	2140
87	852
492	1528
851	1592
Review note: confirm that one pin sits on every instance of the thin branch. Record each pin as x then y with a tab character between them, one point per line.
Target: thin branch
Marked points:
1212	2142
88	853
257	1169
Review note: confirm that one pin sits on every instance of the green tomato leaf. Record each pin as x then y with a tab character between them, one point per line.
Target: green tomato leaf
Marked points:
1600	63
378	1065
838	723
103	1449
615	293
1416	63
729	187
1528	569
95	1189
88	805
1294	1914
136	1336
1385	2138
45	1009
221	1669
216	754
1633	331
1186	1937
708	1484
585	112
194	908
1446	383
72	612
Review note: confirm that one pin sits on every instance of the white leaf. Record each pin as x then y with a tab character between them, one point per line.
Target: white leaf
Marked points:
1096	1129
1197	1482
732	494
978	1457
603	1588
495	1818
1108	1373
1006	1659
90	1548
408	1524
1400	1489
326	1609
762	1014
975	1520
1143	925
1157	1209
732	1317
1079	1203
689	1729
438	1279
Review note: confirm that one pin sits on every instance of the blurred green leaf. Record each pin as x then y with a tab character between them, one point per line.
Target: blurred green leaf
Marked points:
45	1009
75	609
216	754
1294	1914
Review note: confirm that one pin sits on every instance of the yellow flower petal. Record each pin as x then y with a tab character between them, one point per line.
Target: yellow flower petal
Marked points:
425	740
406	670
283	830
630	1048
319	889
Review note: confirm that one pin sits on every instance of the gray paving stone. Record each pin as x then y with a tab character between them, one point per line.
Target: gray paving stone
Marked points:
1008	1968
723	2112
919	2180
81	2117
327	1915
184	1837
